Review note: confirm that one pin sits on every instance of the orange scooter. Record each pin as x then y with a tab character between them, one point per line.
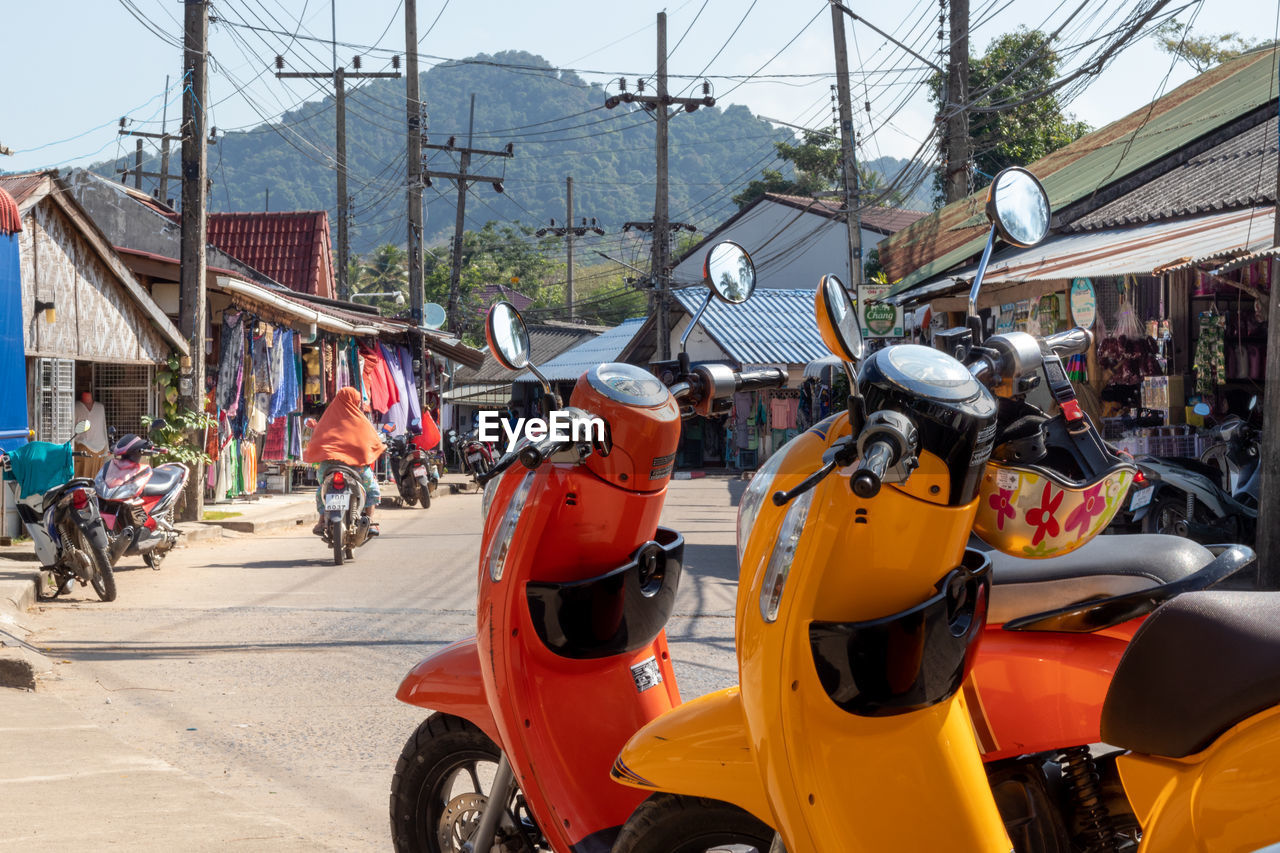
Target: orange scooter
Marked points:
576	582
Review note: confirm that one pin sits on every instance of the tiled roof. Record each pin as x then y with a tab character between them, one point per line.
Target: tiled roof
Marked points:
1234	90
886	220
545	343
291	247
774	326
10	220
577	360
1235	174
492	293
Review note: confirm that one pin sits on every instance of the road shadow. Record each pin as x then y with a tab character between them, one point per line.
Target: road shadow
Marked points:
712	561
115	651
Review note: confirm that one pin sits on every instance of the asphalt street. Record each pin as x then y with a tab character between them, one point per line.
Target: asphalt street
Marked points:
259	668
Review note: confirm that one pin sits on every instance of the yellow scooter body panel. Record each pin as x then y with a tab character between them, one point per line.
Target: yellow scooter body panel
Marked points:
837	781
1221	800
698	749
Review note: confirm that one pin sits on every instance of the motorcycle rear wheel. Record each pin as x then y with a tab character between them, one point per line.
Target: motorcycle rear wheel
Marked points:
104	579
335	536
155	557
437	793
424	493
671	823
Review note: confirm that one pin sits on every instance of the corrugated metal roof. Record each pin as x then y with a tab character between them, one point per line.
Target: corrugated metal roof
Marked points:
479	394
291	247
774	326
886	220
1137	250
545	343
1237	173
577	360
23	184
1196	108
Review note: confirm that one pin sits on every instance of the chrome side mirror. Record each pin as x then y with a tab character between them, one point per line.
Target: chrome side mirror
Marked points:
1018	208
729	274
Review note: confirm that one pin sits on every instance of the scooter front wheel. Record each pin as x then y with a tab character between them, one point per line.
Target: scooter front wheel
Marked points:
441	788
671	823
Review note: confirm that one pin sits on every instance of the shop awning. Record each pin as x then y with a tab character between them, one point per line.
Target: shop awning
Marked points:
483	394
1140	250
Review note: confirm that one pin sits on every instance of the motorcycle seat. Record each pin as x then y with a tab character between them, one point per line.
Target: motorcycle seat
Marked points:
163	479
1106	566
1199	665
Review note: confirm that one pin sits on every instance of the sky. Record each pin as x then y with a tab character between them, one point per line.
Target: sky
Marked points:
85	63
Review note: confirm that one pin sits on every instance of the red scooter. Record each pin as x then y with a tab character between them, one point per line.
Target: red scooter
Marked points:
576	582
138	499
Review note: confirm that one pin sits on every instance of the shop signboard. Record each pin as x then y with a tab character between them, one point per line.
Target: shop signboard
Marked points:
879	320
1084	303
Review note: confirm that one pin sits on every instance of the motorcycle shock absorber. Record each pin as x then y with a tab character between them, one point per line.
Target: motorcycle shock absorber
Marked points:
1084	786
1191	507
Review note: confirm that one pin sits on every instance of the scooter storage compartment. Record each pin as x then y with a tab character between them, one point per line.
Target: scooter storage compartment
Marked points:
908	660
614	613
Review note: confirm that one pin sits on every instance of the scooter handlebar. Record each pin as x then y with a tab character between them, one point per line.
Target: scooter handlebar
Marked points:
751	380
1071	342
876	461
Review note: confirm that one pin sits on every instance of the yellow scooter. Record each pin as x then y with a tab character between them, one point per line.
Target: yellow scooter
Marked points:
849	732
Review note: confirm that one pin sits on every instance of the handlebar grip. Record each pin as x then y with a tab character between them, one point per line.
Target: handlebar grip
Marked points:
1071	342
750	380
875	462
81	454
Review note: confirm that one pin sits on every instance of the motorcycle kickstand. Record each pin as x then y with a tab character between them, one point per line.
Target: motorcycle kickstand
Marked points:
504	785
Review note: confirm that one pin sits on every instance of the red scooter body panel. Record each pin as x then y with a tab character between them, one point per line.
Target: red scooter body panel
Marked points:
449	681
1040	691
563	720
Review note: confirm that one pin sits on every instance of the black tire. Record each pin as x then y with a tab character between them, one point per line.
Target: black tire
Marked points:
410	497
335	536
671	823
443	750
104	579
1167	515
424	492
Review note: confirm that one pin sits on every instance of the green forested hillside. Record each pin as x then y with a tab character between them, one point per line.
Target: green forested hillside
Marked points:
556	122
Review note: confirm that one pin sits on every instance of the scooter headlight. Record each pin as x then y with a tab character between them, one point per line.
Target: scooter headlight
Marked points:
502	542
754	497
784	553
490	489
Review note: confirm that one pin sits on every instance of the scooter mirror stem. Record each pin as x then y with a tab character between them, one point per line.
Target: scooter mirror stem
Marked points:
684	363
688	330
975	322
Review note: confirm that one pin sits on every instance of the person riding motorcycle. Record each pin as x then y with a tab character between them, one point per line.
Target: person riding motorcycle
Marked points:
344	436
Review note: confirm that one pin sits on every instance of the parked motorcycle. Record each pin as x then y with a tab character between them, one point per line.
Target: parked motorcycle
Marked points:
416	471
60	514
478	457
1210	499
576	582
848	718
138	499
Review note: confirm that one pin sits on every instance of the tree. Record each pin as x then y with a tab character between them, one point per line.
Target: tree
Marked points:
815	161
1015	65
1201	52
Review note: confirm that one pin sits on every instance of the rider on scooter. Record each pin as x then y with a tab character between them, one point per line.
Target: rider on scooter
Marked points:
344	436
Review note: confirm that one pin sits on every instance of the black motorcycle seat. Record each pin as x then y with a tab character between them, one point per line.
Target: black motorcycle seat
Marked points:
163	479
1107	566
1199	665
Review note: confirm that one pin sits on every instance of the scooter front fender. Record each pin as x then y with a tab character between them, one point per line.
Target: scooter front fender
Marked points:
699	749
449	681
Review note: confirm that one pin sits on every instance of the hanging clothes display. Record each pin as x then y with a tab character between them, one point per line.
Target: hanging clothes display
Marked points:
231	362
406	370
382	391
1210	363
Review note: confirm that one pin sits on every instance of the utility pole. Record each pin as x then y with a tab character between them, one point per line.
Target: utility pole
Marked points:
1267	538
163	176
569	231
958	144
660	275
195	171
463	179
413	108
339	75
848	156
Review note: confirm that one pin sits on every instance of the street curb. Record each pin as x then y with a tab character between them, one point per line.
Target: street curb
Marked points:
18	665
267	526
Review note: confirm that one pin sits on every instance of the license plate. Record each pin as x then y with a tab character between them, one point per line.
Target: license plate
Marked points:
337	501
1141	498
475	459
419	470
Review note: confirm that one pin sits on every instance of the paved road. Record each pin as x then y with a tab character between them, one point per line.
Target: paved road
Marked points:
262	669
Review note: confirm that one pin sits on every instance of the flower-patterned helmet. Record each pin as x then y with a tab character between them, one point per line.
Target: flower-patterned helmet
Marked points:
1051	490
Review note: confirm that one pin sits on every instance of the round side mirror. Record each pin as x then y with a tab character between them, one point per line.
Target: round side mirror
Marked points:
838	319
1201	409
1019	207
82	427
729	271
507	336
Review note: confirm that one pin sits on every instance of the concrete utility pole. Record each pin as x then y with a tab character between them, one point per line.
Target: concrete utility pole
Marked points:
195	171
848	155
569	231
1267	540
958	143
339	76
413	110
660	275
463	179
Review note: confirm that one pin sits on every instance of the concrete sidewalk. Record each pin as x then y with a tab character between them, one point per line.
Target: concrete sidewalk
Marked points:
66	785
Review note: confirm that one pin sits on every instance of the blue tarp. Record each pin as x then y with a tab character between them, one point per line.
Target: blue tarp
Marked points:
13	362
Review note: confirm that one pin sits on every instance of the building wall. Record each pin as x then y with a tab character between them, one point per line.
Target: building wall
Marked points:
790	248
96	319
